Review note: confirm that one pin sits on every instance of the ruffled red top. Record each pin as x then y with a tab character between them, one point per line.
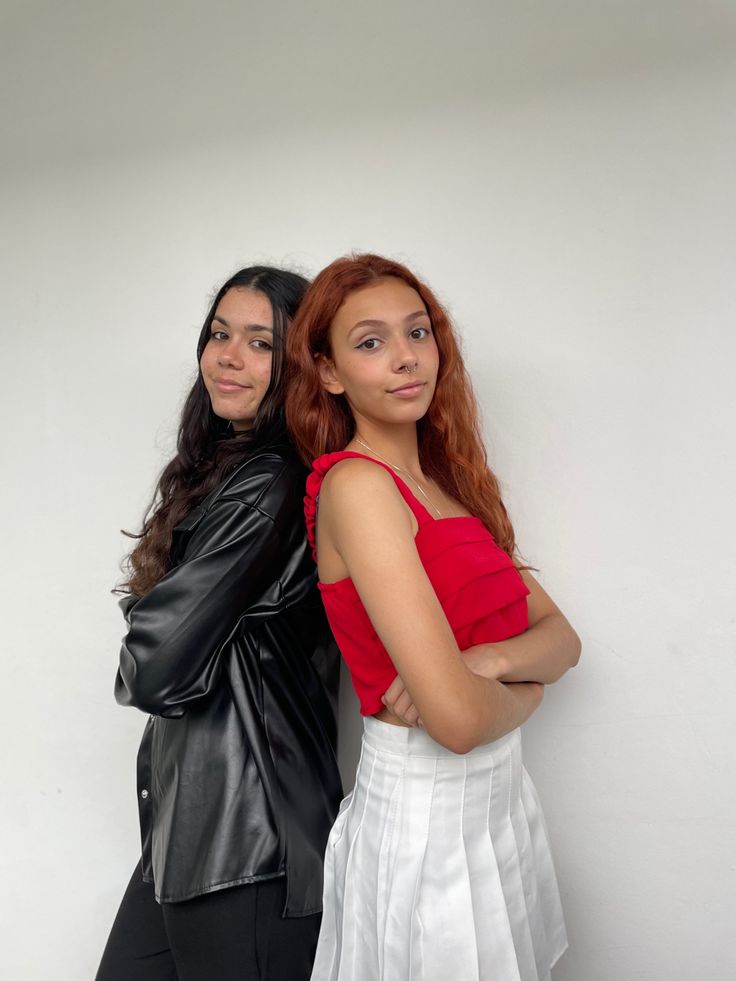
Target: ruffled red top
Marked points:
478	586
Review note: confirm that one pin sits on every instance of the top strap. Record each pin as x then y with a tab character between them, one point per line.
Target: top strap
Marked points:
324	463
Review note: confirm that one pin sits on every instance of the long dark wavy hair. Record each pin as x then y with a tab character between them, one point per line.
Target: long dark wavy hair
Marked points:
207	448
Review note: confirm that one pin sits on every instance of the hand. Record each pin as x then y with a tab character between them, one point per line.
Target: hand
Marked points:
529	693
489	661
398	701
486	660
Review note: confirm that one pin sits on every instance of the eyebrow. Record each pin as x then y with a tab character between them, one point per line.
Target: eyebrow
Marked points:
252	327
382	323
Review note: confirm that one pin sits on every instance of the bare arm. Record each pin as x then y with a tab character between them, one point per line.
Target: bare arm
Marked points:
543	653
363	518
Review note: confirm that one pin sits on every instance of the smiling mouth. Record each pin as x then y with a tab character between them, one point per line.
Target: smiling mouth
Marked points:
410	387
225	385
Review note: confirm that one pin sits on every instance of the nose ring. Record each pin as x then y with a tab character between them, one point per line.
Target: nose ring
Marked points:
410	370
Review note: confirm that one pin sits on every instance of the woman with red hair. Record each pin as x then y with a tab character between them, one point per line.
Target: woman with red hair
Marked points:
438	865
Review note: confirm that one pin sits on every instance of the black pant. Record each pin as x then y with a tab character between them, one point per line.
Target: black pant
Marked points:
234	934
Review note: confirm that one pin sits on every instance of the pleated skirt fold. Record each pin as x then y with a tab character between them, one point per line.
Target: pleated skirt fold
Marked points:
438	867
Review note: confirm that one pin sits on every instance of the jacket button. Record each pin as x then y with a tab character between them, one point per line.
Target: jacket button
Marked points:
144	794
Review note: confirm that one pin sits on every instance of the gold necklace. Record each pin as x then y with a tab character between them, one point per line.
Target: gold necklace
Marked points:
401	470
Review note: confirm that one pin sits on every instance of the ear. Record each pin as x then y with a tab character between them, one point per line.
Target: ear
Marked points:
327	375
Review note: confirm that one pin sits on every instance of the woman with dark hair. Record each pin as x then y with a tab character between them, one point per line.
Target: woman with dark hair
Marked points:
228	650
438	865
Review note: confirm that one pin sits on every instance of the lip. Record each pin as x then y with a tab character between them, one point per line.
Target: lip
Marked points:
226	385
408	391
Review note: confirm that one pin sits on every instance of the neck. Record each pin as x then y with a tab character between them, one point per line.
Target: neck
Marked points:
397	445
389	453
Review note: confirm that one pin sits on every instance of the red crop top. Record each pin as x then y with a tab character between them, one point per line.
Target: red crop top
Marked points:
480	590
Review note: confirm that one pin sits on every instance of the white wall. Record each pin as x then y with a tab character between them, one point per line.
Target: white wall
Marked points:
564	179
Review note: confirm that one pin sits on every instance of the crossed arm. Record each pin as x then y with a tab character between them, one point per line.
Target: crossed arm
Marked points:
542	654
365	531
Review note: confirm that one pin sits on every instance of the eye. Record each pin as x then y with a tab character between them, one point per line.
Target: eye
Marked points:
260	345
218	335
369	344
419	333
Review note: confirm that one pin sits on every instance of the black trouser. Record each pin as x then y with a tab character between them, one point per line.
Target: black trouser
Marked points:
234	934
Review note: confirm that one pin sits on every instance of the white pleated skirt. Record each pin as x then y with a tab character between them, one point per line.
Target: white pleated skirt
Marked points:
438	867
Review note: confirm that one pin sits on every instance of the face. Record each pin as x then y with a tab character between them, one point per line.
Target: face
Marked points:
236	362
384	355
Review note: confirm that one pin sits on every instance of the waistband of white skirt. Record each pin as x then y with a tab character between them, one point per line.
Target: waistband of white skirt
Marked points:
405	741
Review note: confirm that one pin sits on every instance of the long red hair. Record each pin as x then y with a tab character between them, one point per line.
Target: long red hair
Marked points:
451	450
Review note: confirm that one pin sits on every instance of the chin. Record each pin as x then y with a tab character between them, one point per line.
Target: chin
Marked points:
236	421
413	413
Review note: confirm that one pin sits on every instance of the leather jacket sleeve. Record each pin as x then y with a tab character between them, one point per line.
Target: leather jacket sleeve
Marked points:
169	656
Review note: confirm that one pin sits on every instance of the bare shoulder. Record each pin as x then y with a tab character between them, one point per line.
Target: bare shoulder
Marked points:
358	489
354	481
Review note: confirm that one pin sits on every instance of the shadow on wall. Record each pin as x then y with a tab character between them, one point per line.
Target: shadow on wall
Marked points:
349	730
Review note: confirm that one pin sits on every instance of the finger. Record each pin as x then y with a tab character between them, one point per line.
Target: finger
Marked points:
393	691
402	704
411	715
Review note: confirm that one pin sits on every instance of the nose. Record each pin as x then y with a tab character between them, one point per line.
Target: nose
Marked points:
405	358
229	356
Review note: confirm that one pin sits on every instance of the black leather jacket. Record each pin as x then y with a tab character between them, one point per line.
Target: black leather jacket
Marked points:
237	777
